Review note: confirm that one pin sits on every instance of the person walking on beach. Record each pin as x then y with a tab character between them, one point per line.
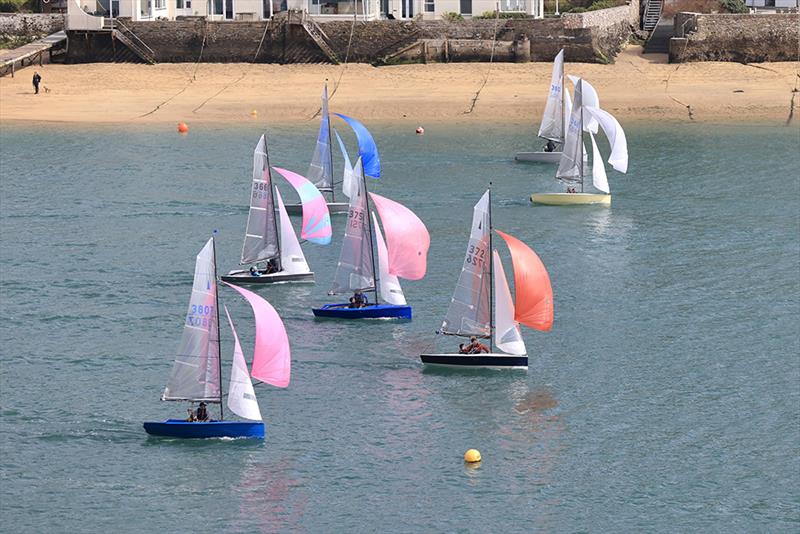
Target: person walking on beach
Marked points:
36	81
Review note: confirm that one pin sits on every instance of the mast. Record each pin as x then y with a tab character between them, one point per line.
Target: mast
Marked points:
491	274
563	118
272	196
330	145
368	216
216	309
580	148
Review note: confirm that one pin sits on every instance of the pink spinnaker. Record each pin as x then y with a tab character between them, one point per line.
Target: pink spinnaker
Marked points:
272	361
407	239
316	217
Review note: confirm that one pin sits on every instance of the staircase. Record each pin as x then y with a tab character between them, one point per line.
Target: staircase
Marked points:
658	43
652	13
319	37
123	34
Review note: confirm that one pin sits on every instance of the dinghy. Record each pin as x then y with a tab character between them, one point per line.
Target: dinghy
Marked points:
197	372
320	170
572	166
403	254
482	284
556	112
272	247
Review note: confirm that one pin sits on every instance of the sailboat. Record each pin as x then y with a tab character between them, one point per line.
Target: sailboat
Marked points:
482	284
403	255
572	166
556	113
320	170
197	372
275	245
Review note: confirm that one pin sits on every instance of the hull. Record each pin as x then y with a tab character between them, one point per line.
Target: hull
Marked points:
244	277
178	428
476	361
333	208
374	311
538	157
570	199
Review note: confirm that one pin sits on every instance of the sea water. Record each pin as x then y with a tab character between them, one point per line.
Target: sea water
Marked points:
665	398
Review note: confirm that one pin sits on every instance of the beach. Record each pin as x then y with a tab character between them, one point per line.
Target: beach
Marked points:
635	87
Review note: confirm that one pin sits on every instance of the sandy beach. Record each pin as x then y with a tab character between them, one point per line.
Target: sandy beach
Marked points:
636	87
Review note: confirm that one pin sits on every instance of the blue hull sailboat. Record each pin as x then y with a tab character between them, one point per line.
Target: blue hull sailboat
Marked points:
197	372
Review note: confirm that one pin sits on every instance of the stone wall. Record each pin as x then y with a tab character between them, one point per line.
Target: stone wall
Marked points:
733	37
29	24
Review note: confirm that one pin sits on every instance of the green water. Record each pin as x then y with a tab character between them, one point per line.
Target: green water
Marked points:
666	397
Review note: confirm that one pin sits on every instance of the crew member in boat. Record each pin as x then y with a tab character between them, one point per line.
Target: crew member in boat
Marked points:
474	347
272	266
571	190
550	146
202	413
254	271
360	299
190	416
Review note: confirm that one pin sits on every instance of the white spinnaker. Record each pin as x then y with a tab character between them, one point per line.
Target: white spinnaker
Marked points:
508	338
241	396
293	261
349	184
552	125
389	284
589	97
616	137
599	178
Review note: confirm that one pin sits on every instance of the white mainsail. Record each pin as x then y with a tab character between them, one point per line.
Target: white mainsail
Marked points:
570	167
469	311
261	235
241	396
349	184
616	137
599	178
508	338
552	125
355	269
391	291
320	171
589	97
195	374
293	261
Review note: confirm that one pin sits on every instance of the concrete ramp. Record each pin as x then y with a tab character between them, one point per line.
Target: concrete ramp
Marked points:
26	55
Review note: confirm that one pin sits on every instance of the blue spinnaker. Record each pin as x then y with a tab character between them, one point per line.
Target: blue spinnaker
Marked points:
366	147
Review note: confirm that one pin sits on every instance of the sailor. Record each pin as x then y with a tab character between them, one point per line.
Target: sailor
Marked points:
202	413
550	146
475	346
190	418
272	266
360	299
254	271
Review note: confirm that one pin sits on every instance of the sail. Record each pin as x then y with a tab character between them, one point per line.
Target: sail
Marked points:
355	269
570	166
320	171
616	138
406	236
552	126
534	294
468	314
348	178
241	396
589	98
316	217
293	261
507	337
599	178
367	149
567	110
195	374
389	284
272	361
261	235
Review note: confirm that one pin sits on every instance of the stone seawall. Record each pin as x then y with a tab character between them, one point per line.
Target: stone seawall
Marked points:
733	37
29	24
593	37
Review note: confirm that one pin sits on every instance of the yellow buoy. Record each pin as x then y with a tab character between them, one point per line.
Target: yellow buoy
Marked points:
254	113
472	456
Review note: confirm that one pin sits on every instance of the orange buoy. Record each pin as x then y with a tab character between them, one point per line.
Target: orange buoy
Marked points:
183	128
420	130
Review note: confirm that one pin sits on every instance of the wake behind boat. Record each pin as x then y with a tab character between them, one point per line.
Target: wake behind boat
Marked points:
482	284
197	372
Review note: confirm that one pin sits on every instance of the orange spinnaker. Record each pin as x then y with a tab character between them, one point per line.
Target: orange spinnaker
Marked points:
533	292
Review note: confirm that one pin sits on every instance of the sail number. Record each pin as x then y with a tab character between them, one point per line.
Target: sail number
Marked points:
475	256
355	218
260	190
200	315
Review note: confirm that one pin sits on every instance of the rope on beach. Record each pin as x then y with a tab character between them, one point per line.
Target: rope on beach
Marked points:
491	62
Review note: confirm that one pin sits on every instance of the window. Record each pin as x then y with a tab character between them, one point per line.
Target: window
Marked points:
178	4
161	4
430	6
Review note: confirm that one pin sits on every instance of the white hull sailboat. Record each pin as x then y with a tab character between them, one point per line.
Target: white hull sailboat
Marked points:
482	308
586	117
270	243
